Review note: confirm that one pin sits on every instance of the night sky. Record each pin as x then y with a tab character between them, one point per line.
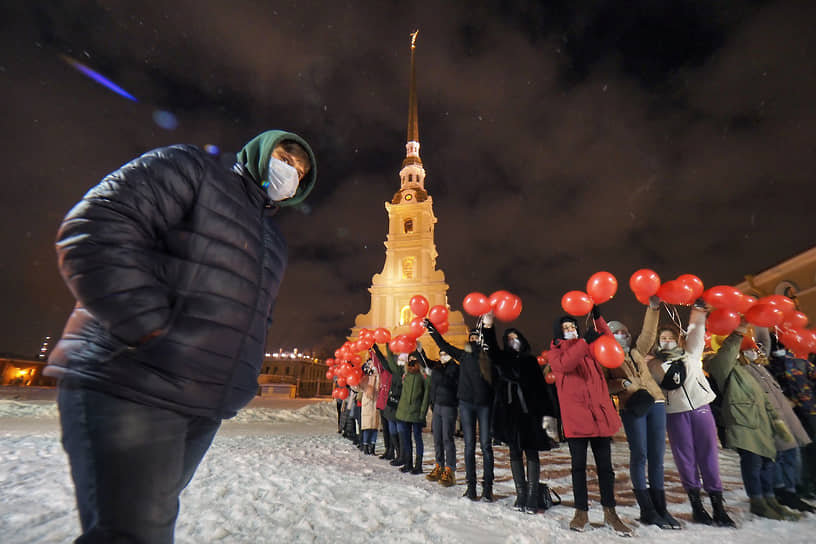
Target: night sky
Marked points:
558	140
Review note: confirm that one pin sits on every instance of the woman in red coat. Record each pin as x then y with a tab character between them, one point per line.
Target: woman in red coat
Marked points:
588	415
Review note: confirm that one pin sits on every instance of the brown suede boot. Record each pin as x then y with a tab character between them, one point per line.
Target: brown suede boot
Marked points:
434	474
612	520
580	520
447	479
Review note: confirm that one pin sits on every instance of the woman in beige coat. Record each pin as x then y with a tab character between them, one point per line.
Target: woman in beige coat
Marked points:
370	417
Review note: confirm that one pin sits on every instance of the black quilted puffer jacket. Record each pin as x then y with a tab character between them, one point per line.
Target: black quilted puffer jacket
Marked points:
172	242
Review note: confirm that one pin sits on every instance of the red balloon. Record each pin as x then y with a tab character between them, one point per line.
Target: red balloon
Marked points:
541	360
342	393
549	377
764	315
443	327
796	320
722	321
780	301
607	351
746	302
356	360
366	342
793	339
497	296
354	377
382	335
675	292
329	362
337	353
476	304
810	340
329	374
438	314
508	308
419	305
576	303
602	286
363	333
643	299
403	344
341	381
695	283
748	342
724	297
644	283
415	328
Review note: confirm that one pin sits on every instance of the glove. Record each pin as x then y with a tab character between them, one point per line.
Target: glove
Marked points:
550	425
487	319
782	431
700	304
596	311
591	335
428	325
654	302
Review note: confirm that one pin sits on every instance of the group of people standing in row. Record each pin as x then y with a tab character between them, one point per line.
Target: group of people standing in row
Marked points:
745	390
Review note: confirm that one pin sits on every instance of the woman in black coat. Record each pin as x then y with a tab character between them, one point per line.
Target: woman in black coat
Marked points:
522	401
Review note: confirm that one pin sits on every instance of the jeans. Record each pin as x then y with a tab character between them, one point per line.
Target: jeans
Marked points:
788	469
129	463
369	436
406	428
602	451
470	414
443	426
647	443
757	474
392	426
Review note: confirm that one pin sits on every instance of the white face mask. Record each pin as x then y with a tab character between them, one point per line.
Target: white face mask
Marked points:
445	358
750	355
780	353
570	335
402	359
282	180
622	338
671	344
515	344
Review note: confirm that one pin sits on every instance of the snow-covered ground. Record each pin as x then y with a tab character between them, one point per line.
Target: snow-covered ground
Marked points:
277	473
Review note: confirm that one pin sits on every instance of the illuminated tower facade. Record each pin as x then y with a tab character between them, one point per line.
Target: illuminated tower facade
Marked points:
410	252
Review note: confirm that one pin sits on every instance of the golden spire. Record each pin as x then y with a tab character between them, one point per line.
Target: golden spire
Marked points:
412	145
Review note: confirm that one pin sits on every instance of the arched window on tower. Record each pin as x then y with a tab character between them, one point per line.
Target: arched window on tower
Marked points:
406	315
408	268
408	226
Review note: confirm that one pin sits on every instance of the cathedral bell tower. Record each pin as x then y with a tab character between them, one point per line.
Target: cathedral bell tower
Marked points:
410	252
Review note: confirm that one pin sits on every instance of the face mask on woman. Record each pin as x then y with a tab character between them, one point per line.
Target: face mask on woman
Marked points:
515	344
671	344
445	358
750	355
570	335
622	338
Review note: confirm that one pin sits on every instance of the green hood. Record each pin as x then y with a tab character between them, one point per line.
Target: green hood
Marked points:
255	158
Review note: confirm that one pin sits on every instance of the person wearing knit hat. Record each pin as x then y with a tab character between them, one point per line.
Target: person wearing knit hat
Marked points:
588	415
643	412
175	261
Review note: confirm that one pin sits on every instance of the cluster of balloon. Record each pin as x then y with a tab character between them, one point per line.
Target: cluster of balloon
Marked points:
505	305
600	288
438	315
772	311
346	367
549	377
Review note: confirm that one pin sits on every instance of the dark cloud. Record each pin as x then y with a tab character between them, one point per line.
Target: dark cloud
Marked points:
560	138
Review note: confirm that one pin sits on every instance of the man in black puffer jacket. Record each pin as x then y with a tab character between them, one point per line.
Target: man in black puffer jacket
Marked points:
175	262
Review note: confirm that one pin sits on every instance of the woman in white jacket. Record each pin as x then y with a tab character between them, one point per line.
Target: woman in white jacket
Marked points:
689	420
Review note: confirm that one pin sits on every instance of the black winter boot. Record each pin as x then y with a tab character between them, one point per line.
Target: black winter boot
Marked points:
391	448
406	455
398	460
417	465
470	492
792	500
698	513
648	512
387	444
517	468
659	501
533	474
487	491
721	518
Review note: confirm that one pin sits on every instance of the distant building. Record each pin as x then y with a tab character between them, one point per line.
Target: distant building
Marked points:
24	372
794	278
293	374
